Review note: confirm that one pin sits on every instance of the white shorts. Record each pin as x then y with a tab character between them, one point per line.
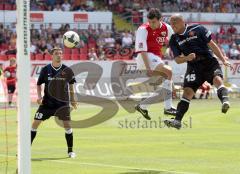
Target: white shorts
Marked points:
153	61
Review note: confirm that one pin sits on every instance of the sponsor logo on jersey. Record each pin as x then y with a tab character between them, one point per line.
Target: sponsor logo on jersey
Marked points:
140	45
186	40
160	40
56	78
163	33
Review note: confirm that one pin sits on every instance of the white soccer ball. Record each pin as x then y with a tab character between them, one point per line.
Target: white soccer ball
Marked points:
71	39
7	74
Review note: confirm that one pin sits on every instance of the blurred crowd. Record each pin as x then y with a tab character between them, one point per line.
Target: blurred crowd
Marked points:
100	43
228	38
62	5
52	5
223	6
129	6
103	44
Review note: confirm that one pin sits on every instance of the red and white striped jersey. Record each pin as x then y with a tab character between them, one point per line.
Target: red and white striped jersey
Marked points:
149	40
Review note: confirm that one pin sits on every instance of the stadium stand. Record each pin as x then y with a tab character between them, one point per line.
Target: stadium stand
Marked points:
227	37
44	38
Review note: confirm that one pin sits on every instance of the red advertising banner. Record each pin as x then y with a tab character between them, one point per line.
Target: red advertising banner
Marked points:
80	17
36	17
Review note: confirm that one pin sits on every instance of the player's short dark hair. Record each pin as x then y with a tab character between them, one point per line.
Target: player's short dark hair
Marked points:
154	13
53	49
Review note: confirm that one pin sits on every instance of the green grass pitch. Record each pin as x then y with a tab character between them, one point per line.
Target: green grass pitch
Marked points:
210	146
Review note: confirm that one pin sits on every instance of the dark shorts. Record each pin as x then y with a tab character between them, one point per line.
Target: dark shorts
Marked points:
45	112
197	74
11	89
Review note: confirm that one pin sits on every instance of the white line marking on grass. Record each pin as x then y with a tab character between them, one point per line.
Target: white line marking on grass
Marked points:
113	166
120	167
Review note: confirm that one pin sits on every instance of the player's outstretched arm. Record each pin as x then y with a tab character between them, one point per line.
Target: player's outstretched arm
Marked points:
72	96
216	50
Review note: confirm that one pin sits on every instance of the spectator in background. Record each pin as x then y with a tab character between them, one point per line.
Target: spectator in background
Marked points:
33	48
41	30
237	41
43	47
11	48
108	30
127	40
50	29
50	44
231	30
13	27
57	8
50	2
101	41
83	37
90	5
92	55
59	39
34	7
234	53
221	30
66	6
34	34
112	4
10	75
67	27
225	46
102	55
76	5
109	41
216	5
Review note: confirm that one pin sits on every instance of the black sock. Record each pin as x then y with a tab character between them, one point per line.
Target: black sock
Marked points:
222	93
207	95
69	139
33	135
182	108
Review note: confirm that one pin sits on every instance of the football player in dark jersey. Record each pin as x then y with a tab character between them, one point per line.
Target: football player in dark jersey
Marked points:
58	95
193	44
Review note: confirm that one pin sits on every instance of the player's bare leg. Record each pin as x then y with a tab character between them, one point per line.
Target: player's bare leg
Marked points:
69	138
166	72
182	108
35	126
222	93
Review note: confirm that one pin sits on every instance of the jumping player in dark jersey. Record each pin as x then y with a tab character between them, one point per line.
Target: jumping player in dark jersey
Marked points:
193	44
58	80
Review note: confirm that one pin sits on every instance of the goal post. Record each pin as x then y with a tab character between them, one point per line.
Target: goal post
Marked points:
23	86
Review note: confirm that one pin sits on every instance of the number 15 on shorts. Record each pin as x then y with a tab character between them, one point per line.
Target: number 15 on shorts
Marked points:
191	77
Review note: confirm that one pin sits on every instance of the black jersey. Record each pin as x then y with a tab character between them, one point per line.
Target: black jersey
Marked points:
56	80
194	39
